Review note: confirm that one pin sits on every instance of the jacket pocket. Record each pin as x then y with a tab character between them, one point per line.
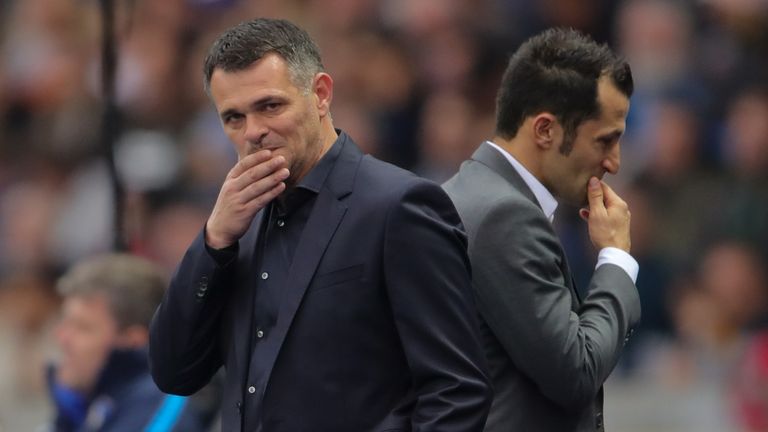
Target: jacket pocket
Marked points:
337	277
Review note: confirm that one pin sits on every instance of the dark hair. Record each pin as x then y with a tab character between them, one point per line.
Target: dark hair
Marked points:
557	71
133	286
241	46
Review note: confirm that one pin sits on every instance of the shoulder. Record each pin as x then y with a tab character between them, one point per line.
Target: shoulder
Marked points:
483	197
140	397
380	173
400	197
382	181
144	407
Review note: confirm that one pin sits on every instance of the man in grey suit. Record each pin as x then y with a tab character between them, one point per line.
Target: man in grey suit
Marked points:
561	110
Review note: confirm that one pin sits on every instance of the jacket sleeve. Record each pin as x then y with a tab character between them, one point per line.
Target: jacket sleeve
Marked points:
523	296
184	334
428	280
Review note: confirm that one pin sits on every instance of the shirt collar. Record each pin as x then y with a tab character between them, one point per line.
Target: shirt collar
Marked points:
312	182
546	200
316	176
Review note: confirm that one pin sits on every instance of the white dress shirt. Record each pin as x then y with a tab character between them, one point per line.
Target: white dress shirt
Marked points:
548	203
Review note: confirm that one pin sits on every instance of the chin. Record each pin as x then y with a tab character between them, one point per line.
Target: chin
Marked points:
576	200
584	201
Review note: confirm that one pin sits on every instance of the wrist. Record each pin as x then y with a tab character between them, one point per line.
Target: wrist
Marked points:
216	241
613	245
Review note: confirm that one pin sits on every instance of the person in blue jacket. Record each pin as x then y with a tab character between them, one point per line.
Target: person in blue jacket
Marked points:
100	380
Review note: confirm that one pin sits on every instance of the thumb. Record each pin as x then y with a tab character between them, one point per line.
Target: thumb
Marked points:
595	195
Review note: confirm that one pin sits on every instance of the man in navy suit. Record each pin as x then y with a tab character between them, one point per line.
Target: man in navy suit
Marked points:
334	288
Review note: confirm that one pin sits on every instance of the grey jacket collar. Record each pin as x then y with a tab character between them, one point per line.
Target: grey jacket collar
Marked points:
490	157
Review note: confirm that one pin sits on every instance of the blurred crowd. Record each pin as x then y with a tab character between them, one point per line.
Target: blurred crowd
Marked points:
415	85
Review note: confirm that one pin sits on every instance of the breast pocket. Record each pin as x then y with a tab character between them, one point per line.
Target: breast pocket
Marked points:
337	277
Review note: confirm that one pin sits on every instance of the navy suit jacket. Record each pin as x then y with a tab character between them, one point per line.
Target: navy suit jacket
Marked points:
376	329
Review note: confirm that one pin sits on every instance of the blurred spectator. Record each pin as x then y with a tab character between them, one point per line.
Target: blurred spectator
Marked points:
690	381
716	320
653	281
657	38
170	226
751	387
101	380
27	305
677	183
743	205
446	135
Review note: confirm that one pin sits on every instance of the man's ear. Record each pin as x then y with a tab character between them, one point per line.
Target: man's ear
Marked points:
546	129
323	91
133	337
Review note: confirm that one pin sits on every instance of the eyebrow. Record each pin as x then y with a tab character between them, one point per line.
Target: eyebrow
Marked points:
257	102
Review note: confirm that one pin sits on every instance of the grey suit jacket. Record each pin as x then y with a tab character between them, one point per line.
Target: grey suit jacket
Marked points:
549	352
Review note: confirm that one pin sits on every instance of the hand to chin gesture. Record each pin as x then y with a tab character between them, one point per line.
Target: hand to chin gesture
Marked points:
249	186
608	217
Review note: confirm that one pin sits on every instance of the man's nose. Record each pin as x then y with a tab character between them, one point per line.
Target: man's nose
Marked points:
612	161
255	130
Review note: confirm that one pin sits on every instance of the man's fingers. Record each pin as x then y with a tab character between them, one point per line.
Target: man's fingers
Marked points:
249	161
259	172
595	195
610	195
260	201
613	200
272	194
260	189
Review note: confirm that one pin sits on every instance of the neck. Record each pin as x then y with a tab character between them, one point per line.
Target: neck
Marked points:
328	135
524	153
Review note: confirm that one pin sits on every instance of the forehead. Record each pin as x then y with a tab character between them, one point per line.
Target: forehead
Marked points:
614	105
90	307
268	74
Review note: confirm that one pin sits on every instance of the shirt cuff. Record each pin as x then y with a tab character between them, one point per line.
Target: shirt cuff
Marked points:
616	256
222	256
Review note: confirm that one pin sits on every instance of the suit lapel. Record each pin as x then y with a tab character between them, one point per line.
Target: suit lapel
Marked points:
326	217
493	159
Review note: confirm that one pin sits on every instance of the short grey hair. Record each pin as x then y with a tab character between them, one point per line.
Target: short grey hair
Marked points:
246	43
133	286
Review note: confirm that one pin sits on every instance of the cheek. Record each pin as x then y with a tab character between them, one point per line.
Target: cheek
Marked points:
241	148
83	353
92	347
287	152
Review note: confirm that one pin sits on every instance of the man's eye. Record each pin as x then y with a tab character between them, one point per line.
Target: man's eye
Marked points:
231	118
273	106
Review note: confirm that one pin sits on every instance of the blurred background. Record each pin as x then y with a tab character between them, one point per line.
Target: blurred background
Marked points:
415	85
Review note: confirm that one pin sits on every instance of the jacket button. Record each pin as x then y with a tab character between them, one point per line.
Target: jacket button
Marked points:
251	389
